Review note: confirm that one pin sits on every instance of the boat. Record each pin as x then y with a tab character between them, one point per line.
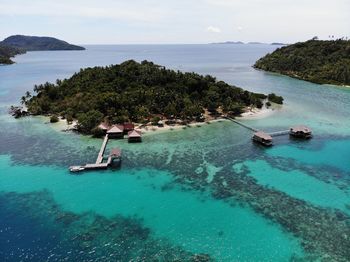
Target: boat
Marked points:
76	169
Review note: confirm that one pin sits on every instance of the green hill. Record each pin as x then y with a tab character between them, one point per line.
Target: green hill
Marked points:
137	92
323	62
36	43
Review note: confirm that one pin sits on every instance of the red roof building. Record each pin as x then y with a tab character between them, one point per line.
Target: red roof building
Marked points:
116	131
134	136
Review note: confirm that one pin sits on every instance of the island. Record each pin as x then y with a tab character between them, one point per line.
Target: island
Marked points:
321	62
229	43
140	93
20	44
7	52
37	43
277	43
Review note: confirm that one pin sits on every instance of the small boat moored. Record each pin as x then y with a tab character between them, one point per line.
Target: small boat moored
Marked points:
75	169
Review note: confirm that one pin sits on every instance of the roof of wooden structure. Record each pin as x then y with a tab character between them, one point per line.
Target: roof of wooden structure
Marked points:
263	135
103	126
300	128
116	129
134	134
116	152
129	126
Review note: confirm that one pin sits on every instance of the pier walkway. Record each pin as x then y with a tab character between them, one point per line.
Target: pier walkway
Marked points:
279	133
102	150
241	124
272	134
99	164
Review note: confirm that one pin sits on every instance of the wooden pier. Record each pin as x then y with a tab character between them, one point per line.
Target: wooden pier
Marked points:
306	132
279	133
102	150
99	164
242	124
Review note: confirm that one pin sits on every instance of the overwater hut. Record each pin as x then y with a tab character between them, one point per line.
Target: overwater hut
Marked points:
128	127
115	157
116	131
300	131
134	136
262	138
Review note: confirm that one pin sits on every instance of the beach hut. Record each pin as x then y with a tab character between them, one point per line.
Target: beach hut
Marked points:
104	127
134	136
116	131
300	132
128	127
262	138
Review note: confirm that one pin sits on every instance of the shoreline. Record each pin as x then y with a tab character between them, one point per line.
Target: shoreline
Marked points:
249	114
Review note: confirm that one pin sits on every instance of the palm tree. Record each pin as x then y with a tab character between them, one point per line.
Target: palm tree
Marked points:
28	95
23	100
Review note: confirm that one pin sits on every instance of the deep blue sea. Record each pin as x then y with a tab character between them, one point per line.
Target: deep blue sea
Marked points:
205	193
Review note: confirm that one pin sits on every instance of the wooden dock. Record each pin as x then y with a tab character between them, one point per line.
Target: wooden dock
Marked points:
99	159
99	164
279	133
242	124
271	134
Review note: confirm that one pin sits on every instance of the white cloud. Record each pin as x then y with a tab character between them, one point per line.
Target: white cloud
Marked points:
213	29
239	28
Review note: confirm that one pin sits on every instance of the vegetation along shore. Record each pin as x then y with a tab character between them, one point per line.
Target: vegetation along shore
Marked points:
143	93
322	62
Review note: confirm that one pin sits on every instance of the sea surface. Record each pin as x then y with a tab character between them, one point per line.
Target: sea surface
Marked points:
198	194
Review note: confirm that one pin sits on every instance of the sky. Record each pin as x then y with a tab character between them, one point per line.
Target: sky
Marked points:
175	21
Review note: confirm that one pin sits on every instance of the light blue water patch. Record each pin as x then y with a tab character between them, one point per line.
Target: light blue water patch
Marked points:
297	184
333	153
197	223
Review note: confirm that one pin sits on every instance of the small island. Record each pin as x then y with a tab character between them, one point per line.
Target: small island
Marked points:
140	93
322	62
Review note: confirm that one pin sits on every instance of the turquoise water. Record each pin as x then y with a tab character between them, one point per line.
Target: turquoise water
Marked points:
193	221
203	190
298	184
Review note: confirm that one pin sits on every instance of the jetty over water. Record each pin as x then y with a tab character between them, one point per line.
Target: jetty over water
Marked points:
242	124
265	138
280	133
115	155
102	150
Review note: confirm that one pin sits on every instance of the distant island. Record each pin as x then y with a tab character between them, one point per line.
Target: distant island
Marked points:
322	62
229	43
242	43
39	43
19	44
138	92
255	43
277	43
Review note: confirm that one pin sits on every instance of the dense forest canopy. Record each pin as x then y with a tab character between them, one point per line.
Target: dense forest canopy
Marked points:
323	62
37	43
135	91
6	52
